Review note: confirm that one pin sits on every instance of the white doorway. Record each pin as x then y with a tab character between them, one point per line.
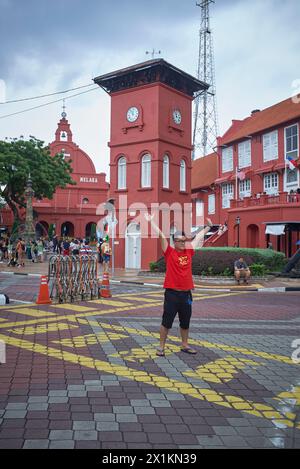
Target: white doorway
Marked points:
133	246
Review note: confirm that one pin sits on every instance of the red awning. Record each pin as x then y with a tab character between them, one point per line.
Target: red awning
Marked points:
224	179
265	169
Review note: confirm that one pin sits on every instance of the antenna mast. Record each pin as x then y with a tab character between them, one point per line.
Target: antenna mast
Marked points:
205	115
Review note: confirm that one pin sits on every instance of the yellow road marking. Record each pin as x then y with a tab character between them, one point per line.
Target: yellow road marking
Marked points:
139	355
201	343
293	395
73	306
208	395
90	339
142	299
121	295
42	329
111	303
31	312
220	370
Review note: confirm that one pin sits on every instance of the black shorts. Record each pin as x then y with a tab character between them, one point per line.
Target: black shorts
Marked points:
177	302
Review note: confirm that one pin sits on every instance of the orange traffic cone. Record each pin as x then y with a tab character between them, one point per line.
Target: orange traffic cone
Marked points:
44	298
104	289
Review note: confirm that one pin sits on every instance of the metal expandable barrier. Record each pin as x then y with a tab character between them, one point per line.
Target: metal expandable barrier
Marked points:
72	278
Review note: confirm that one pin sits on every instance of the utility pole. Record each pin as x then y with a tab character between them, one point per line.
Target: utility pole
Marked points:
205	130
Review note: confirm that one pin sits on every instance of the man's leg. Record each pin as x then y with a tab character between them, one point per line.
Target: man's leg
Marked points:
185	313
170	311
237	275
163	337
184	337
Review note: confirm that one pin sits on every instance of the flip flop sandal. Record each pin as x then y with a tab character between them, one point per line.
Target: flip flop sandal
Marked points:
160	353
188	350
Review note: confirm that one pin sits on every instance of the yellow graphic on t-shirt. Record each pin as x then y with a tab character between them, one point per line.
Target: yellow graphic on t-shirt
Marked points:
183	260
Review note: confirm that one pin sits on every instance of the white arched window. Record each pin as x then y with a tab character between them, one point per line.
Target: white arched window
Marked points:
166	172
122	173
182	176
146	171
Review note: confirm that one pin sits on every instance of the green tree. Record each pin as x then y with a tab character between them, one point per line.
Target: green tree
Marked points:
18	159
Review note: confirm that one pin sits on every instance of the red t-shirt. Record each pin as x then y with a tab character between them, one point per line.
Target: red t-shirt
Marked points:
179	269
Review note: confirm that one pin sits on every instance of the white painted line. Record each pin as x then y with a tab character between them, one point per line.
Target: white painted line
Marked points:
20	301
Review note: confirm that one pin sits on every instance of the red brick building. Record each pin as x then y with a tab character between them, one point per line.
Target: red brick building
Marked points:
73	209
257	203
150	153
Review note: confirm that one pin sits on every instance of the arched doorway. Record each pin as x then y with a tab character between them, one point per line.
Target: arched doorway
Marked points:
252	236
91	230
41	229
67	229
133	246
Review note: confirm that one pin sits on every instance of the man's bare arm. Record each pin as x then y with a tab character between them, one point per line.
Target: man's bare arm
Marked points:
200	236
163	239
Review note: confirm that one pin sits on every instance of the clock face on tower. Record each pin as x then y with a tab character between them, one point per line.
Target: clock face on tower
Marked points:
132	114
176	116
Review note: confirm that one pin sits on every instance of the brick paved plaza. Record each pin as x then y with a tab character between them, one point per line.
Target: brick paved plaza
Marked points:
85	375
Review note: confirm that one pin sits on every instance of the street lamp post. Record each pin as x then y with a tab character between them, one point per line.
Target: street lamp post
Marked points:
238	222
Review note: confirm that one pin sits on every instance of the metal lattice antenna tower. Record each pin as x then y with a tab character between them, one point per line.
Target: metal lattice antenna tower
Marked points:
205	116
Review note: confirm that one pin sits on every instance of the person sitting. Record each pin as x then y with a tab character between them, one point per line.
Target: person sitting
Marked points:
241	269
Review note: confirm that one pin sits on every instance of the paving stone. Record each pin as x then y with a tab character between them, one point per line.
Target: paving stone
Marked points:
111	436
104	417
14	406
123	418
144	410
85	435
58	393
155	396
63	444
11	444
107	426
135	437
160	403
87	444
61	435
262	442
238	422
235	442
15	414
76	387
225	430
77	393
58	400
94	388
140	403
35	399
210	441
181	439
36	444
38	406
82	425
122	409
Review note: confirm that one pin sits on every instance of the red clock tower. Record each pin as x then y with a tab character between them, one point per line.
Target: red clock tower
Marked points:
150	157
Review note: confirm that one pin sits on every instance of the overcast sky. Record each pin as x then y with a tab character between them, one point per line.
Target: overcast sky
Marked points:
48	46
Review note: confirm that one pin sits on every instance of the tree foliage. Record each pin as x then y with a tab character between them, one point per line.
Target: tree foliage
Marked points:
18	159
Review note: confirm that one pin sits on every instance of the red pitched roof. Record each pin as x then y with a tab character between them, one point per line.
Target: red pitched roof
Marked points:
204	171
279	113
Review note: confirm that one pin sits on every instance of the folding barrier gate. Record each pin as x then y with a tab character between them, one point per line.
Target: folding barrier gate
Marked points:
72	278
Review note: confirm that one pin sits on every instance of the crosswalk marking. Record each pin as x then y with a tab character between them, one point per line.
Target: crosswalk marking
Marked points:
111	302
42	329
31	312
